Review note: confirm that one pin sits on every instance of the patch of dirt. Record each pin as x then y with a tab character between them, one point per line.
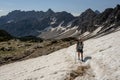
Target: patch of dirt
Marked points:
80	71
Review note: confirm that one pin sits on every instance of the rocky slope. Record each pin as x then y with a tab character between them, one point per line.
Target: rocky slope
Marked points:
88	24
57	25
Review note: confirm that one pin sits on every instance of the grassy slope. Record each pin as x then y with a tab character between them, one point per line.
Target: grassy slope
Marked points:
24	50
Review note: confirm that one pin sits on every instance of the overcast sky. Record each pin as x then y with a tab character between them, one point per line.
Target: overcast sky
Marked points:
73	6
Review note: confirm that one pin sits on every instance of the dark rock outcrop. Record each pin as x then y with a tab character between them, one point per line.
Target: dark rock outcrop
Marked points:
4	36
85	21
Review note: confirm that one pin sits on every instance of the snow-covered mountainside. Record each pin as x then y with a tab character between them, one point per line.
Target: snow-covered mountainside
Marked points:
101	54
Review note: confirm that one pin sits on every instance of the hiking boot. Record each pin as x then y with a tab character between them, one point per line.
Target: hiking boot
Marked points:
82	60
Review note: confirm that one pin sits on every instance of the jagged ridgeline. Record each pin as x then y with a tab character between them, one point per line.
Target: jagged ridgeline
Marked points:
57	25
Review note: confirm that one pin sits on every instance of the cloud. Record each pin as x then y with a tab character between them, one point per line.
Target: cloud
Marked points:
1	10
75	14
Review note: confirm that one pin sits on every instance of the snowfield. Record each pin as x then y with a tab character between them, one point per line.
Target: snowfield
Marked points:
50	67
101	54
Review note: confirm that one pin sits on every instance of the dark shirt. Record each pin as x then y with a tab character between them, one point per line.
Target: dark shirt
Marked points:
79	45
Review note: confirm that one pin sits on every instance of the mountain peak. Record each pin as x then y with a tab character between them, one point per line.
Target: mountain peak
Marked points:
117	7
89	10
50	11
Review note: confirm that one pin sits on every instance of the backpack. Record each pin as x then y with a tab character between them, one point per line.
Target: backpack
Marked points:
79	45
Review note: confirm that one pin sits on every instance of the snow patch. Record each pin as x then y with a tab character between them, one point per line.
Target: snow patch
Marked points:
108	27
75	33
97	25
86	33
96	31
60	27
69	29
48	28
69	25
10	21
53	21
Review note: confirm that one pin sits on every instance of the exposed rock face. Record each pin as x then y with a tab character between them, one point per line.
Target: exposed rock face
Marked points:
85	21
57	25
109	19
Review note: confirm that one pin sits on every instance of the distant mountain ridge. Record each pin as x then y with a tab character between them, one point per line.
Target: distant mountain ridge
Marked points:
21	23
58	25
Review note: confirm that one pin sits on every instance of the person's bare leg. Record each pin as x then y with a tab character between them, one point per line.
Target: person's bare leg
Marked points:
79	55
82	56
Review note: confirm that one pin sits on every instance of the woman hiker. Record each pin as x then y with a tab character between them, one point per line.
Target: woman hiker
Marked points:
79	48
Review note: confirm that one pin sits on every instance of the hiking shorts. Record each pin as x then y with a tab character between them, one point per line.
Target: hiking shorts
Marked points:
80	50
